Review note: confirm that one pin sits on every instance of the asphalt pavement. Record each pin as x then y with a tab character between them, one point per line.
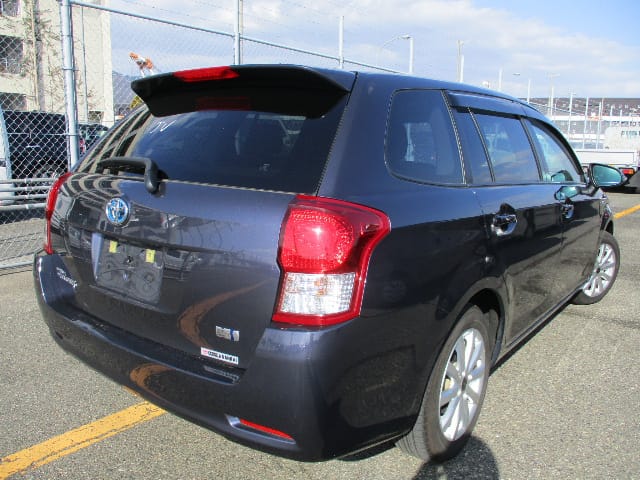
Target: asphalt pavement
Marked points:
563	406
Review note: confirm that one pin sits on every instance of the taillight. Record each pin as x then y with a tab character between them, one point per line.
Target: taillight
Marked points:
325	247
49	208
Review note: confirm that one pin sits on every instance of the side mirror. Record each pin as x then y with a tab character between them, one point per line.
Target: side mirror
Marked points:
605	175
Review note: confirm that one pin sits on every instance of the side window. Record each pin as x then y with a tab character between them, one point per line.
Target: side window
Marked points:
555	161
509	149
475	157
421	144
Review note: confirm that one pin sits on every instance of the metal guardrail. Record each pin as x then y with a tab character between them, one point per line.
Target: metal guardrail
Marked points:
24	194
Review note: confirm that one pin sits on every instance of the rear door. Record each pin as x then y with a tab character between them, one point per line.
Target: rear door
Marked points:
189	261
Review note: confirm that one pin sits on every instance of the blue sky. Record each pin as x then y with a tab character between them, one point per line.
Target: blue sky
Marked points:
589	48
616	20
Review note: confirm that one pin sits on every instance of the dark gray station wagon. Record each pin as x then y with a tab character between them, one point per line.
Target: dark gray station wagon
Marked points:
314	262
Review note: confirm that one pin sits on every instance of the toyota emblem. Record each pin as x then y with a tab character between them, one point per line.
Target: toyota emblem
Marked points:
117	211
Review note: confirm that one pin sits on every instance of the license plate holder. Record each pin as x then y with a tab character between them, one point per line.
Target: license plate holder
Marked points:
130	270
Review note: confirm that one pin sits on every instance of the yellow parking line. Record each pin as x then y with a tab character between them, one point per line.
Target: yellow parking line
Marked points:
77	439
627	211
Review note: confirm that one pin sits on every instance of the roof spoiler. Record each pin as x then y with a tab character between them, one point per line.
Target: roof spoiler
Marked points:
242	76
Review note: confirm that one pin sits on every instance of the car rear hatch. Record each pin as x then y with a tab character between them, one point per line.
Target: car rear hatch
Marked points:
169	229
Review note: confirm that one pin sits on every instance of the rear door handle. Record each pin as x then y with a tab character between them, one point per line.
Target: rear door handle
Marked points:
504	224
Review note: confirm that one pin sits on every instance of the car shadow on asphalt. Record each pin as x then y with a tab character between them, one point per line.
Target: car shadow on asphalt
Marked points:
475	461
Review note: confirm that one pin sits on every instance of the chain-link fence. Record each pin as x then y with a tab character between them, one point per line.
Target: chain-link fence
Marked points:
34	151
33	134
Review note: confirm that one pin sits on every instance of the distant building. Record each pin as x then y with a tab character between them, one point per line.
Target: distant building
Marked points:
31	64
595	122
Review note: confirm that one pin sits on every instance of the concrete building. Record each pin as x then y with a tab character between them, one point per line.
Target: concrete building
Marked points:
31	64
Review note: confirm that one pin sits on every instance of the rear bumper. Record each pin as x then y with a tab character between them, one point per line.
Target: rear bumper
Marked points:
333	391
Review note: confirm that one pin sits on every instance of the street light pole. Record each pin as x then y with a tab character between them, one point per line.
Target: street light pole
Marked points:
460	62
410	38
570	111
586	115
550	107
403	37
411	54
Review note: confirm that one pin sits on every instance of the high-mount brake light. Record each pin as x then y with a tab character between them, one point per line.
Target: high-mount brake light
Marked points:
50	207
206	74
324	252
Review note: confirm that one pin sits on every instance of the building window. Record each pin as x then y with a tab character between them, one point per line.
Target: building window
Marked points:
10	54
10	8
13	101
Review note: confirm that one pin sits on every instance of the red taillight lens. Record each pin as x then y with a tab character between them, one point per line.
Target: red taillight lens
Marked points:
325	247
316	240
49	208
206	74
628	171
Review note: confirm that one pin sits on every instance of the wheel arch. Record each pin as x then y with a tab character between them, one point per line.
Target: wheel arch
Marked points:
490	302
609	227
488	295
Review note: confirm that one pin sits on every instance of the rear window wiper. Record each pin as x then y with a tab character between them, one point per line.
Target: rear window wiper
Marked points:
136	165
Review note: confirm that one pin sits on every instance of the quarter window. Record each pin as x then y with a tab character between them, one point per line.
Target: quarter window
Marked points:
509	149
421	143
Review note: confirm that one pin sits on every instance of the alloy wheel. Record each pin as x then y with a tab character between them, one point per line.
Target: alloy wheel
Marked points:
463	384
603	271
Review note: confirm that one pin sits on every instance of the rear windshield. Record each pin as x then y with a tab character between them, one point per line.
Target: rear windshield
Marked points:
223	141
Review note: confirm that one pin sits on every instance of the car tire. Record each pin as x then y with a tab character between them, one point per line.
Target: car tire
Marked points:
451	406
604	272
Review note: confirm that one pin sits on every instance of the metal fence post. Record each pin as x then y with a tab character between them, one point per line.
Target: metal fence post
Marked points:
68	68
237	34
341	43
